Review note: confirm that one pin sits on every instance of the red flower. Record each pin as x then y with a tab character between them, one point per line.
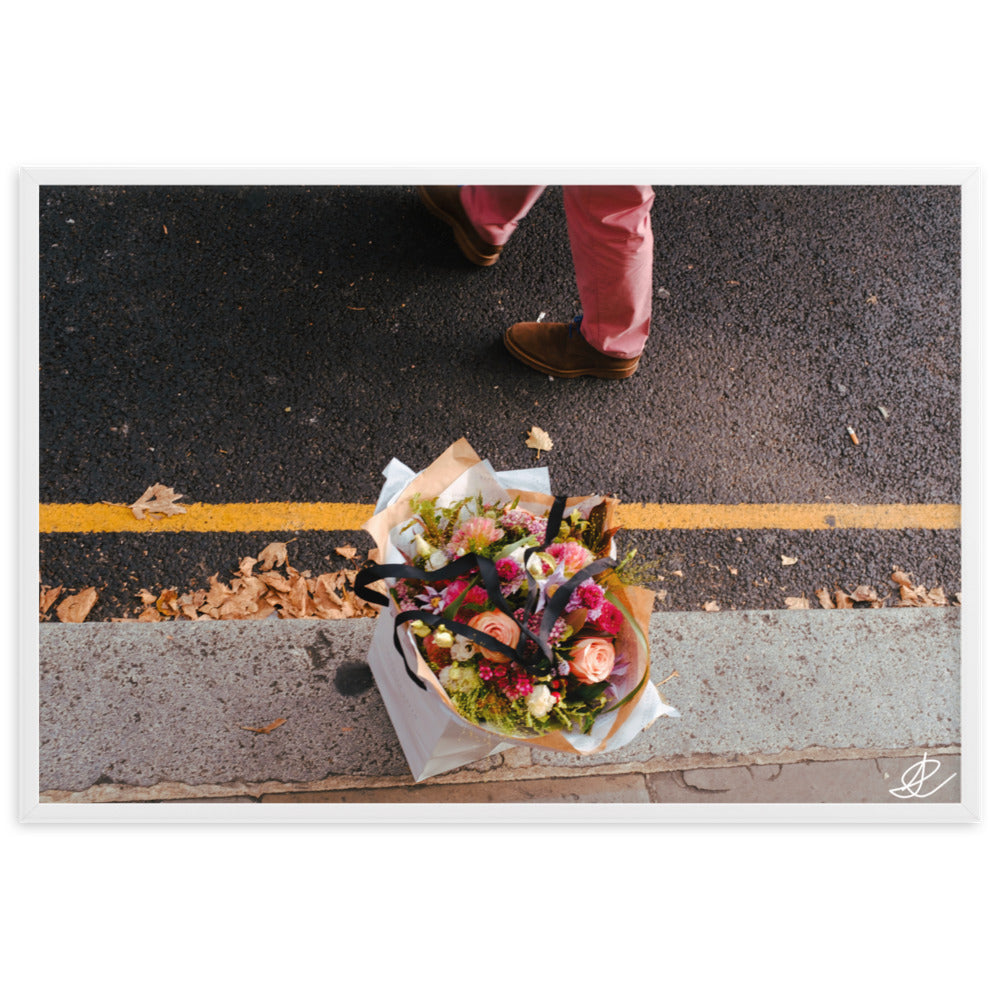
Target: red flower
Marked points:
610	619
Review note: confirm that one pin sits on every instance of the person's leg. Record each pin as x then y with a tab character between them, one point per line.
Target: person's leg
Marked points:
482	217
612	243
495	210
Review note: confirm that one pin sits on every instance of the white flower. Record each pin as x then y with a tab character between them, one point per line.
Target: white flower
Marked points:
422	546
443	638
540	701
518	554
437	559
540	565
461	648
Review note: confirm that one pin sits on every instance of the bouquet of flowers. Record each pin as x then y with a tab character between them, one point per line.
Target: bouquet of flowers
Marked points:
508	611
544	589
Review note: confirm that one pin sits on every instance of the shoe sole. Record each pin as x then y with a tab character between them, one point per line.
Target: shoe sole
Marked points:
568	373
466	245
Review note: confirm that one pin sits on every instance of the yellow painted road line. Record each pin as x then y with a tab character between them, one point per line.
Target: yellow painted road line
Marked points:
285	517
243	517
791	516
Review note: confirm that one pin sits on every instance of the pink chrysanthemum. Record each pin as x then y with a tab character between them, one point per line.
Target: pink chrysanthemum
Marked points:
588	595
511	576
508	570
474	535
571	554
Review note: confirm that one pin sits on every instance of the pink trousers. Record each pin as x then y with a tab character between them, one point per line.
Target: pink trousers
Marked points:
612	244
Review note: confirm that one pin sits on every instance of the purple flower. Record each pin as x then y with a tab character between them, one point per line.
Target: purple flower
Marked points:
616	680
432	600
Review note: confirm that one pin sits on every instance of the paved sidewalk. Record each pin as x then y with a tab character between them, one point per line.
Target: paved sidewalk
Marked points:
783	706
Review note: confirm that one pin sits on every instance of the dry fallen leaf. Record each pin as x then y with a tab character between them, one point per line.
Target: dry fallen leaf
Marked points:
796	603
329	604
825	601
275	554
789	560
218	593
275	581
247	564
253	595
166	603
76	607
265	729
298	603
539	441
913	596
347	551
47	598
156	501
866	595
841	599
711	606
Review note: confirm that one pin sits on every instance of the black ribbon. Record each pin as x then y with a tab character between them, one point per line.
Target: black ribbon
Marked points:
536	663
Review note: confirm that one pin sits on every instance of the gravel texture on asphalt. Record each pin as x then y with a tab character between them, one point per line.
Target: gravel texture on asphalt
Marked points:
283	343
121	565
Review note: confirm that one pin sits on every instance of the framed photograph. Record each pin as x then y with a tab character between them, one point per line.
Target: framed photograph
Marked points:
238	385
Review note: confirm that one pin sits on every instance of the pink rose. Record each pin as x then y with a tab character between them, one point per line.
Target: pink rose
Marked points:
500	627
592	660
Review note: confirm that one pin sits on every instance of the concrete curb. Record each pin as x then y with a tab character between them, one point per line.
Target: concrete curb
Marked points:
152	712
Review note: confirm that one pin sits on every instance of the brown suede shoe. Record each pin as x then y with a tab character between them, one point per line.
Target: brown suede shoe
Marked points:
559	349
445	203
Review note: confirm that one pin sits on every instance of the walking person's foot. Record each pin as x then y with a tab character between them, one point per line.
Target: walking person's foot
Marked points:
559	349
446	205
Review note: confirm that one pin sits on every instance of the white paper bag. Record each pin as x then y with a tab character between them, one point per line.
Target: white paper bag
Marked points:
434	738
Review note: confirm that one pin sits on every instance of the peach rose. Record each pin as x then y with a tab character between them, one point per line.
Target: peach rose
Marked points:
501	627
592	660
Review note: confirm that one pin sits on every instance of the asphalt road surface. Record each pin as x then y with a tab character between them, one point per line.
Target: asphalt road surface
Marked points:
245	344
